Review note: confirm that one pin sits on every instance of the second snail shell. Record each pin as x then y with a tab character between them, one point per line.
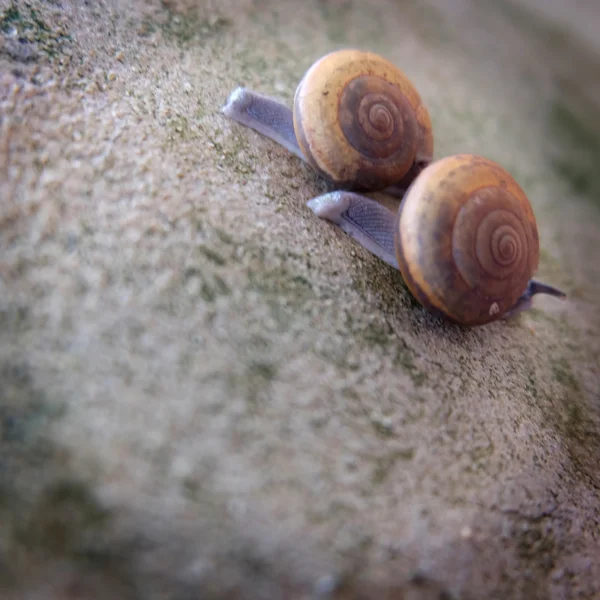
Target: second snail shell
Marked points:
466	239
360	121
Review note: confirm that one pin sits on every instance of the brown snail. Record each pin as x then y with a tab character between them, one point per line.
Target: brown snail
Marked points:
464	237
357	120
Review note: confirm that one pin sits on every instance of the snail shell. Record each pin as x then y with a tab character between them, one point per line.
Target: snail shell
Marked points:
466	239
360	122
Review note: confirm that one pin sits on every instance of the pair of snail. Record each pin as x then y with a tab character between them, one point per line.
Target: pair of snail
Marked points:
464	236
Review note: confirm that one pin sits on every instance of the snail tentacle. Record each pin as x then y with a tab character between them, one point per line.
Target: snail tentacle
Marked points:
525	302
365	220
264	114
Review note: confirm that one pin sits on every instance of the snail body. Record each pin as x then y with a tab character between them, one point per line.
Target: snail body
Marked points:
357	120
464	238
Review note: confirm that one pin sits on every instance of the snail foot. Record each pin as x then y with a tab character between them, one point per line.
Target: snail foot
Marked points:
265	115
364	219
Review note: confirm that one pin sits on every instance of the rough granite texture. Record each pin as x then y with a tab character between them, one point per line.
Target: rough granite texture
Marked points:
207	392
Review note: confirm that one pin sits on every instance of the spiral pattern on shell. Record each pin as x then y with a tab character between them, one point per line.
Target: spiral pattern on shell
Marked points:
378	121
377	117
360	122
490	244
467	241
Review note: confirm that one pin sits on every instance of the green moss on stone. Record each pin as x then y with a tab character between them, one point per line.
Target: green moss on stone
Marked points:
230	152
281	282
537	543
10	17
224	236
385	464
14	318
32	28
189	27
65	515
579	144
562	372
212	255
334	19
404	357
376	334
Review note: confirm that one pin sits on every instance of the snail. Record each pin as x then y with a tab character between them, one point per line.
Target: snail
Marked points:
357	120
464	236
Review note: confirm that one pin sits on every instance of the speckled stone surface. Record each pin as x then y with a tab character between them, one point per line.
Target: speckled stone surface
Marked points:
207	392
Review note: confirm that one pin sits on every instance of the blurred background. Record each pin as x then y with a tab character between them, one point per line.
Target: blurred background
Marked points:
207	392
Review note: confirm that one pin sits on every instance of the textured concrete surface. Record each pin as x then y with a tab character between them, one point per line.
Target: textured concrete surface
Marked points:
206	392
